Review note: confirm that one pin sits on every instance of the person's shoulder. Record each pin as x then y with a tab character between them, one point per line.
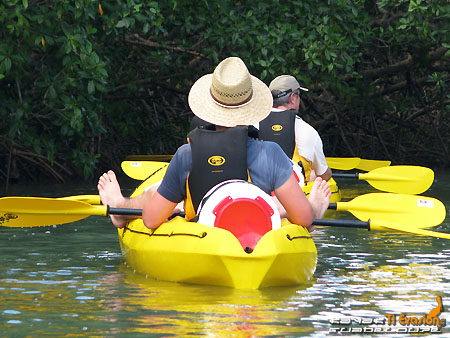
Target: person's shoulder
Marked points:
264	146
183	153
255	142
184	149
305	125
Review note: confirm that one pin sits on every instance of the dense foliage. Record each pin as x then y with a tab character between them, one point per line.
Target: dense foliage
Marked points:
84	83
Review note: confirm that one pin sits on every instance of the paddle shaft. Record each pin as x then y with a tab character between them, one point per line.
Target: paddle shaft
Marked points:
417	211
343	223
388	207
342	175
32	211
124	211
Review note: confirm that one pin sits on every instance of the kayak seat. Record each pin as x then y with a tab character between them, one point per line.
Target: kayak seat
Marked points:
248	219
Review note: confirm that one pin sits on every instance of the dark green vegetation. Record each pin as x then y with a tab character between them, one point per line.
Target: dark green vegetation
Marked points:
85	83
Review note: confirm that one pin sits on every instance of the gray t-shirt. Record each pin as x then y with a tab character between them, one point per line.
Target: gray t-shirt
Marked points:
268	166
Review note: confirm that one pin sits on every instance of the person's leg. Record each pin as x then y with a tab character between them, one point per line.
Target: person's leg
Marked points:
319	197
109	190
111	194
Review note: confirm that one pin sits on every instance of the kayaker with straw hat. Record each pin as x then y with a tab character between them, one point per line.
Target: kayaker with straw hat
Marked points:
228	98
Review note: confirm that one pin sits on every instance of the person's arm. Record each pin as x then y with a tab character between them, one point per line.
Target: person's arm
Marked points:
310	146
326	175
157	210
171	191
319	162
294	201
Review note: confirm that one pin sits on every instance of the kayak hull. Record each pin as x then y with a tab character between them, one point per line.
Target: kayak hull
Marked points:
187	252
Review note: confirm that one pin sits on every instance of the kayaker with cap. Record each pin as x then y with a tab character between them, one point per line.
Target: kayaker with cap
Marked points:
300	141
228	98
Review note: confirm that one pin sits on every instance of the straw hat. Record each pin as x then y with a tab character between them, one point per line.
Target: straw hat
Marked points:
230	96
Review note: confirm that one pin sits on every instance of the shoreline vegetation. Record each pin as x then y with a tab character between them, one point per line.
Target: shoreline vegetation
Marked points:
84	84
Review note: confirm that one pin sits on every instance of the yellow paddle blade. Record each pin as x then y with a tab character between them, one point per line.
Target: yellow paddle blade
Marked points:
36	211
343	163
368	165
348	163
416	211
90	199
404	179
140	170
403	228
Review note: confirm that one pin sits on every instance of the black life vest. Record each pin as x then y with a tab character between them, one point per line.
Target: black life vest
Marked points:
279	127
217	156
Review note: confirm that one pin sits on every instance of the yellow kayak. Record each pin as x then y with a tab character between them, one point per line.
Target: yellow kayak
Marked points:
189	252
183	251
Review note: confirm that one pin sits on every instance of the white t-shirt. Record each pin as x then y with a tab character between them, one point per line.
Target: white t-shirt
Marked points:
310	146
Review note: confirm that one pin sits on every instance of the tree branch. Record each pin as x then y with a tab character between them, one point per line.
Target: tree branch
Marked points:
136	39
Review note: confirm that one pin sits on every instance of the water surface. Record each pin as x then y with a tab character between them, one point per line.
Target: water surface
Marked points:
70	280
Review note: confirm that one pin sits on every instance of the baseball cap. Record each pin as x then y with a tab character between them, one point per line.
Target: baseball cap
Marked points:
285	84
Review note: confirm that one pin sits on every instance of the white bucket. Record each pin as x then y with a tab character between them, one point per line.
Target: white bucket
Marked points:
241	208
298	173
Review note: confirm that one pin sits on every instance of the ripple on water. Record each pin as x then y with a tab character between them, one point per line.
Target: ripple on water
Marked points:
11	312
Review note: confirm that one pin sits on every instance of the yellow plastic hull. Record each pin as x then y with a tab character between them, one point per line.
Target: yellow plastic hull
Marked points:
182	251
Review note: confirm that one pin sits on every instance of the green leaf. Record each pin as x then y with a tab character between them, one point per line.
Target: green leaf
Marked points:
51	92
91	87
6	64
122	23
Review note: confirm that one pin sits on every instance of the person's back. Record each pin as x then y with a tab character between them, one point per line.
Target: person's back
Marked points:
308	145
227	98
279	127
268	168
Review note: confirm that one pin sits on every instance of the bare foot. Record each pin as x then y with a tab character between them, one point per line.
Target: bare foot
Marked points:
319	197
111	194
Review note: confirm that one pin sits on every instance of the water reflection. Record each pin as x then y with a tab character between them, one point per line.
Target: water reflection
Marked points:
205	310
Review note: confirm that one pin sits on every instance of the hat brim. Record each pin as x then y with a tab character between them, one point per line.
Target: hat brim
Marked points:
202	104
